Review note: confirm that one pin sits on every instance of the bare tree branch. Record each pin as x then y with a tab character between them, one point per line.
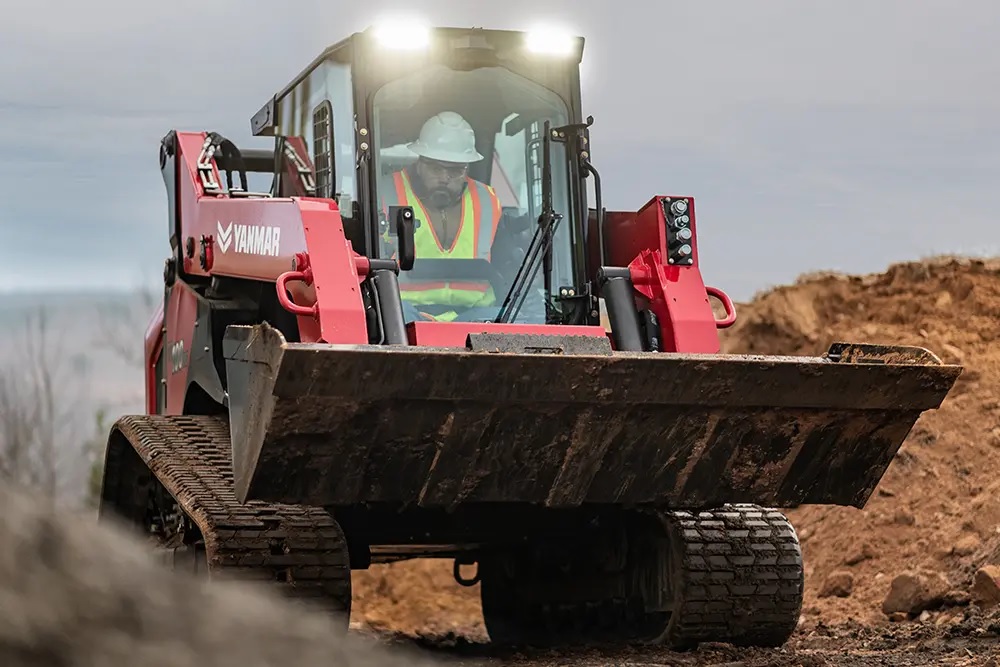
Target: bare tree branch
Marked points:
34	447
117	327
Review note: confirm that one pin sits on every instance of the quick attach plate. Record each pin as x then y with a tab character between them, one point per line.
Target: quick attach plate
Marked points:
538	344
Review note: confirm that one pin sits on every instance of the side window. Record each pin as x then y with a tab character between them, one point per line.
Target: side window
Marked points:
343	154
508	177
323	149
517	172
320	110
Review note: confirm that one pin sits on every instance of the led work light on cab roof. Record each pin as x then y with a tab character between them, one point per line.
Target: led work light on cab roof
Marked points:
550	40
414	34
402	33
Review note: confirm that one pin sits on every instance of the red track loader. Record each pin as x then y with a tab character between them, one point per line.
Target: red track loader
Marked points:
318	399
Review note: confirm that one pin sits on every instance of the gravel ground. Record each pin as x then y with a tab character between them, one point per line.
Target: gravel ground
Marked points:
975	641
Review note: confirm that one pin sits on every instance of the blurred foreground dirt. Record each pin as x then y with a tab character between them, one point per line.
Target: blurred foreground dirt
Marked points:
75	595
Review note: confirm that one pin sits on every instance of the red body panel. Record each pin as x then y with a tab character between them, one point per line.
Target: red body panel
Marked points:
178	343
250	238
259	238
627	234
623	238
153	346
453	334
676	294
678	298
336	276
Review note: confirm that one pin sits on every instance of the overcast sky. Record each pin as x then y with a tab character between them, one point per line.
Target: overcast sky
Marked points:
841	135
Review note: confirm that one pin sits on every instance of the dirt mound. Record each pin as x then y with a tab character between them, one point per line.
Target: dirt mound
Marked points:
418	598
937	511
75	594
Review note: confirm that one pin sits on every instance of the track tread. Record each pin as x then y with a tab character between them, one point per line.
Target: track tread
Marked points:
301	548
739	578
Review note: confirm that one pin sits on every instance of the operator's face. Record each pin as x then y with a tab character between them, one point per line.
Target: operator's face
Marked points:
443	182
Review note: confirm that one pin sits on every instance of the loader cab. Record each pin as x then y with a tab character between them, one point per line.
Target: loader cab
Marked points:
361	105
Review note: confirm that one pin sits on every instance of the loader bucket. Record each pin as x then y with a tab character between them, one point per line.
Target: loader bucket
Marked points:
338	425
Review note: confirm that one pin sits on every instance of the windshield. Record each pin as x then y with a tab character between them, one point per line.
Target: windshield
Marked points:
463	148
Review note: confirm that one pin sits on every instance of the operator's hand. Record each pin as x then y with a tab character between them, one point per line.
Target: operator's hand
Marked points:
413	314
449	316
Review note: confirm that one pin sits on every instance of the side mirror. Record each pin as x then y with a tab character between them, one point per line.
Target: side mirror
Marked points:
404	237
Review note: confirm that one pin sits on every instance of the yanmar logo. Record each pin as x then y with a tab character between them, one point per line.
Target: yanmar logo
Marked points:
249	239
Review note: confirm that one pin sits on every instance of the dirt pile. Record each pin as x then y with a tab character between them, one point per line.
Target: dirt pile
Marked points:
418	598
935	517
75	594
936	514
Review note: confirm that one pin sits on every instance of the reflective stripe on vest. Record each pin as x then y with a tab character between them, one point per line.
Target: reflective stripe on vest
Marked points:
474	239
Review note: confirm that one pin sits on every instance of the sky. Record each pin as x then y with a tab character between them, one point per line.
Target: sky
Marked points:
837	136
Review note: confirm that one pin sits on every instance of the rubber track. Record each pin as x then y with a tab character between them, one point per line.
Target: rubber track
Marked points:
302	547
739	579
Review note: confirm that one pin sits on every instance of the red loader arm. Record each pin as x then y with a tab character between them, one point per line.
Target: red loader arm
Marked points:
659	250
258	237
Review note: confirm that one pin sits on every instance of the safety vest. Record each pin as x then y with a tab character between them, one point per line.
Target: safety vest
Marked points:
478	226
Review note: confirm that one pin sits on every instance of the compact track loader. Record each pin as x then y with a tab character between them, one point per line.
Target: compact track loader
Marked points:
311	409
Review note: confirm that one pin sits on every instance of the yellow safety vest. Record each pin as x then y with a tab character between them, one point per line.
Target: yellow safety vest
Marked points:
479	219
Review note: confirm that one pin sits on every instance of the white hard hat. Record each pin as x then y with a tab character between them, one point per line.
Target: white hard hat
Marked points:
447	137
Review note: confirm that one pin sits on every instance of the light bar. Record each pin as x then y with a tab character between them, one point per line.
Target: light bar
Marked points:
550	41
401	34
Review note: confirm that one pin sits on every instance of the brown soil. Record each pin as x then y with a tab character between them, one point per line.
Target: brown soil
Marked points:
941	490
937	508
417	598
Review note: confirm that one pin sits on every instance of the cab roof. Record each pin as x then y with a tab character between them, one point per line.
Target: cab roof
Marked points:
440	39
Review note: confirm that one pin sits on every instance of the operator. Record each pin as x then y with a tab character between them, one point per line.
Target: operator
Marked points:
457	216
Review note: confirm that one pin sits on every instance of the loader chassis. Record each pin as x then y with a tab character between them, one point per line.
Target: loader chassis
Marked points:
608	486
